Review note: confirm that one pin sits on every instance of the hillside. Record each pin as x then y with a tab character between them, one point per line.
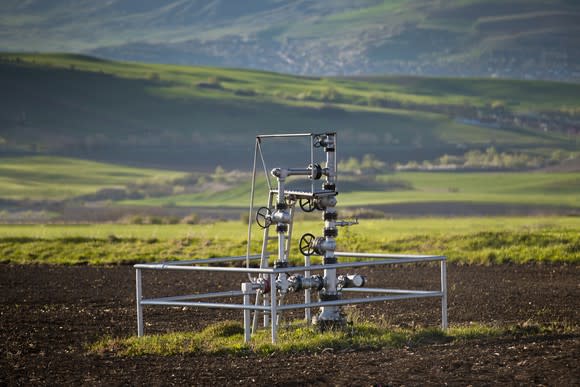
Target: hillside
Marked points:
515	39
196	117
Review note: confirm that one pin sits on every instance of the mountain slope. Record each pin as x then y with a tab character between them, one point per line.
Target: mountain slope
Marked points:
517	39
161	115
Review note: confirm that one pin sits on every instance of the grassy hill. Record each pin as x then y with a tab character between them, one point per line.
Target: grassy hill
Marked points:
198	117
57	178
516	39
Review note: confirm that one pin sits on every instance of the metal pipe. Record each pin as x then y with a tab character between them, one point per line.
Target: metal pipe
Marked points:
406	259
444	323
246	291
208	260
365	300
251	210
217	305
379	290
284	135
374	255
206	268
273	308
359	264
307	294
231	293
139	296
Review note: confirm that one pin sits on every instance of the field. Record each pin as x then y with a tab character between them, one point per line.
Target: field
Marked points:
52	315
53	178
463	240
532	188
68	301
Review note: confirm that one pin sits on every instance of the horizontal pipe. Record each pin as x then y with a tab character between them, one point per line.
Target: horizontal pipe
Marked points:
217	305
403	259
284	135
365	300
361	264
207	260
373	255
214	260
161	266
231	293
380	290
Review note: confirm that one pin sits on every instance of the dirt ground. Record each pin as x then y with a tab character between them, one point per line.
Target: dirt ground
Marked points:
49	313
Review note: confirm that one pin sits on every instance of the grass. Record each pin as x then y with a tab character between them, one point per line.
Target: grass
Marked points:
530	188
462	240
227	337
53	178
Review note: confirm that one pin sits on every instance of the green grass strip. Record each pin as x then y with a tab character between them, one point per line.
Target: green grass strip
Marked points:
549	245
227	338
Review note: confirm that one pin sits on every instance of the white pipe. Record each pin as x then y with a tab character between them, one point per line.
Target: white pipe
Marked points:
139	296
444	323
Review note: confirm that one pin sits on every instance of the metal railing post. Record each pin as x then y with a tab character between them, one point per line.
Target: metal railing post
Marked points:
307	314
246	289
273	307
139	297
444	323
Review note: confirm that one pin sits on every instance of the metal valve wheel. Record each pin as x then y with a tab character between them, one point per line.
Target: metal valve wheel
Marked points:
306	245
317	141
263	217
307	205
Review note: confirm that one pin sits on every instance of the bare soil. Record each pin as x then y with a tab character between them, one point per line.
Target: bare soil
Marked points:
48	314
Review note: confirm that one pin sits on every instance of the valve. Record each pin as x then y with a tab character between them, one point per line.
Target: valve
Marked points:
350	281
306	244
309	244
317	141
264	217
307	205
346	222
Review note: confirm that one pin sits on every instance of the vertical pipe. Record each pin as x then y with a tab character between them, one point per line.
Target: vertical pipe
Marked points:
273	306
444	323
139	306
312	163
251	210
246	288
266	315
307	314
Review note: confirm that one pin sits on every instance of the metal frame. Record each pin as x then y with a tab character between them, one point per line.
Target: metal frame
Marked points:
274	308
276	280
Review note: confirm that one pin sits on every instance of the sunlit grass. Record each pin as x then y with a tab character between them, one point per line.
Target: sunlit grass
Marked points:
462	240
227	337
50	177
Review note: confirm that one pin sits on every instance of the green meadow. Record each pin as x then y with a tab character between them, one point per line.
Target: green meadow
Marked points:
531	188
463	240
53	178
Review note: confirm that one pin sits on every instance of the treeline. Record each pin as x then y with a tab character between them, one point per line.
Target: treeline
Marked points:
489	159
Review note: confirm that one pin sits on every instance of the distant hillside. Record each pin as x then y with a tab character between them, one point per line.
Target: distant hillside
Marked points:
198	117
527	39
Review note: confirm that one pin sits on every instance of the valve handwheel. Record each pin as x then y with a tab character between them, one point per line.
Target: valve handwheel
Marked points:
317	141
307	205
306	244
263	217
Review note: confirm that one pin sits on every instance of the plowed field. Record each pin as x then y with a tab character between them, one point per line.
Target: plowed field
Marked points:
48	314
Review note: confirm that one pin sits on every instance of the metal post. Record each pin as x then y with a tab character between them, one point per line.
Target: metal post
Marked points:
444	324
246	289
273	306
307	314
139	296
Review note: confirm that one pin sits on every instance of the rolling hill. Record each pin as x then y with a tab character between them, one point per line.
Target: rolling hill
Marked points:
513	39
198	117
